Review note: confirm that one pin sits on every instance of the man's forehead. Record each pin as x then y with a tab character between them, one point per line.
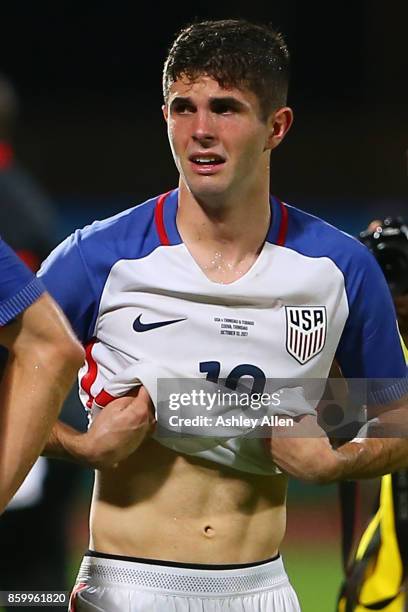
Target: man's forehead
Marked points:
204	85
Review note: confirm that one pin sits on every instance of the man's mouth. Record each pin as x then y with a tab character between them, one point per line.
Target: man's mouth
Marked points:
206	164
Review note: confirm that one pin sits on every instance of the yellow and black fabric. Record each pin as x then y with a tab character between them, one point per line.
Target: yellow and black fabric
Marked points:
376	574
377	571
405	349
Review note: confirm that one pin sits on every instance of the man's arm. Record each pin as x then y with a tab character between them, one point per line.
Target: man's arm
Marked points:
74	259
305	451
44	357
116	432
383	449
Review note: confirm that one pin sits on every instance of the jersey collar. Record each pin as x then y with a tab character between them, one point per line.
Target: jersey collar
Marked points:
166	213
279	222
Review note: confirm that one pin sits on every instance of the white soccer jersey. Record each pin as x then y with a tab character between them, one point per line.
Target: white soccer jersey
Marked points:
143	308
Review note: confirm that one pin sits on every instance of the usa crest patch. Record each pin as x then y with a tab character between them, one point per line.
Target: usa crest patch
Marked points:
306	329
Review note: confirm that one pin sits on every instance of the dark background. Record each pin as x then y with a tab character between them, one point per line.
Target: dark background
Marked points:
89	77
90	130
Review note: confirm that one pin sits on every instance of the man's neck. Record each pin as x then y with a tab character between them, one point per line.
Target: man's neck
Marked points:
236	226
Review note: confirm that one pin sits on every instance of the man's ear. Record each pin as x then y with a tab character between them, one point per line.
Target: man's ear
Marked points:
165	112
279	123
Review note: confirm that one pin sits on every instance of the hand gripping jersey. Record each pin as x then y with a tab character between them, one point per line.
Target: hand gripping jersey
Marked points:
19	288
144	309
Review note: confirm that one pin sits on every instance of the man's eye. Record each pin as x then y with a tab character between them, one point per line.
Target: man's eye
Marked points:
224	108
183	109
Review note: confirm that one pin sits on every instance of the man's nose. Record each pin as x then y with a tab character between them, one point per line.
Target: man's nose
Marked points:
204	129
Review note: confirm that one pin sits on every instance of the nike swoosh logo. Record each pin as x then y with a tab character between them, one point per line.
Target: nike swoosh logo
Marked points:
138	326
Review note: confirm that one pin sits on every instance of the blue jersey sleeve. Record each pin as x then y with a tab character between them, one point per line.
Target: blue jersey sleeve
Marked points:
67	278
370	345
75	273
19	288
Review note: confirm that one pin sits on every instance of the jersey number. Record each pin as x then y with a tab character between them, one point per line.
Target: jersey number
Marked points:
213	368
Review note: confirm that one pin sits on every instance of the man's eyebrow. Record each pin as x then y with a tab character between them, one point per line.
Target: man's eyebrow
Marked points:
228	101
181	100
214	101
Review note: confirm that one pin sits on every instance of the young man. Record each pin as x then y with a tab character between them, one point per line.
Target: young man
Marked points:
215	280
43	360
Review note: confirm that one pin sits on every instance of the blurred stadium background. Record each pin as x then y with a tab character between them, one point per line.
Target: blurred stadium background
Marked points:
90	131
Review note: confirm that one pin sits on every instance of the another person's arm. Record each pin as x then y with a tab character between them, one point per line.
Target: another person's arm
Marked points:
44	358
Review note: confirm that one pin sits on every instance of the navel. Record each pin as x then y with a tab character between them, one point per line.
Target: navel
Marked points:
209	531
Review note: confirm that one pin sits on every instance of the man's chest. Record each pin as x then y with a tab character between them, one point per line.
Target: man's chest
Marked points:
278	320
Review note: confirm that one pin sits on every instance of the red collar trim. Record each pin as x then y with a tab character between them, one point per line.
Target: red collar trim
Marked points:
283	228
159	219
164	239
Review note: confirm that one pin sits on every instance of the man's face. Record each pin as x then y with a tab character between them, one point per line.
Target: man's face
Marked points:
217	137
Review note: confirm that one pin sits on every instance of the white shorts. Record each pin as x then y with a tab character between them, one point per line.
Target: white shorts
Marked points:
121	584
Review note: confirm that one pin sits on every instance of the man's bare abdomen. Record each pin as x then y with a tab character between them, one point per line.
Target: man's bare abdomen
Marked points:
161	505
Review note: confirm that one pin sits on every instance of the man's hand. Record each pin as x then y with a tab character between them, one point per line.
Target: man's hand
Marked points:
116	432
304	451
119	429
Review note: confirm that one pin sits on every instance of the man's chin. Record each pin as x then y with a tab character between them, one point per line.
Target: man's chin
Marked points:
208	187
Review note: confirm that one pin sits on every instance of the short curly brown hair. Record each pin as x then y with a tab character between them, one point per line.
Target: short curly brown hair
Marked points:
236	53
